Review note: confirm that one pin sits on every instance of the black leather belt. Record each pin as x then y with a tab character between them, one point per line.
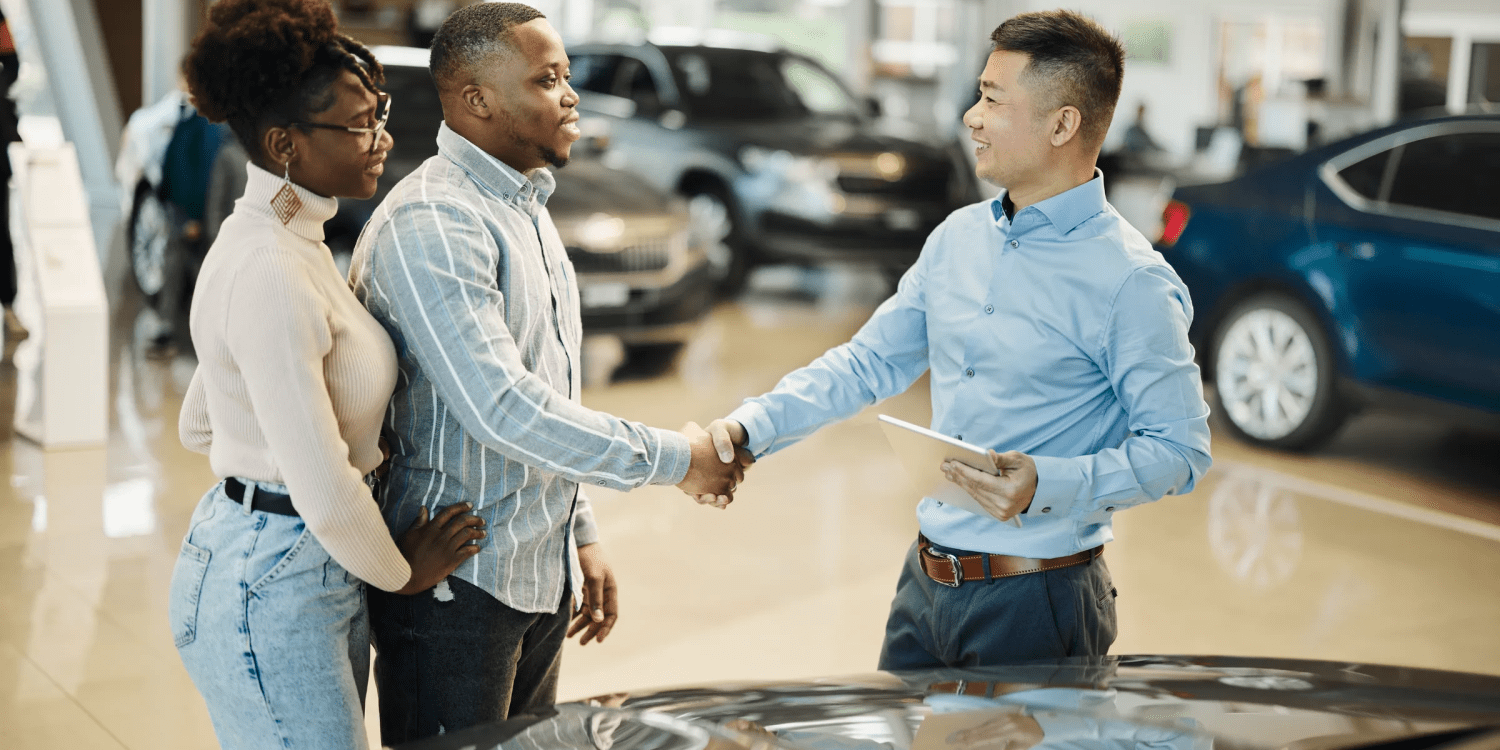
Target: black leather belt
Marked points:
268	502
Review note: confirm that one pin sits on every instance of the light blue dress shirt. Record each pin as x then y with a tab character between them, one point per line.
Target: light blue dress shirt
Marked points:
1061	334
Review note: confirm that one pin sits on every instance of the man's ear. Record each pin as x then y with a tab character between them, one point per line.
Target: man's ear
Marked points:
476	100
1066	123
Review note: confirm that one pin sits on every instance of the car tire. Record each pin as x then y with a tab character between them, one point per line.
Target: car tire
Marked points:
149	238
1274	374
712	214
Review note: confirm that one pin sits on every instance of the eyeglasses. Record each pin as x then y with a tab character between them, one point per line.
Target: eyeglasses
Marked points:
382	115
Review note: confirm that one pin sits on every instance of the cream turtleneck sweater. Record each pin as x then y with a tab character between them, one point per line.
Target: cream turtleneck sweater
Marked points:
293	376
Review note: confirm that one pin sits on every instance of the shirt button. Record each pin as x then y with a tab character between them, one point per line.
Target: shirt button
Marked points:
1014	243
969	372
989	309
1047	510
1110	509
600	482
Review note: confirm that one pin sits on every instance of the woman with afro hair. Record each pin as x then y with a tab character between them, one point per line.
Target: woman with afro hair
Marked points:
267	602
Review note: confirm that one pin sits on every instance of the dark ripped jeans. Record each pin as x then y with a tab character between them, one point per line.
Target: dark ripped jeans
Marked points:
441	666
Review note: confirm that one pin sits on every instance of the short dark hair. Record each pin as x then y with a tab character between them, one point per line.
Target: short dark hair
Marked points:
259	64
1073	61
472	35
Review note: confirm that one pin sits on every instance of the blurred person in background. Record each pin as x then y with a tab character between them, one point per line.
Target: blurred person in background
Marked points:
1054	332
267	602
463	266
10	69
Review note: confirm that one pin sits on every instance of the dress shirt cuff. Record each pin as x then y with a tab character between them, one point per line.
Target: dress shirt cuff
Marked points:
674	457
585	530
758	428
1058	481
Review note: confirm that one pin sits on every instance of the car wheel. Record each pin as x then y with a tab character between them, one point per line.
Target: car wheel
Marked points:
1274	374
713	224
150	232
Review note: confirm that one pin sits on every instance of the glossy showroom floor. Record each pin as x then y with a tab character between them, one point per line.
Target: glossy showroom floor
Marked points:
1385	547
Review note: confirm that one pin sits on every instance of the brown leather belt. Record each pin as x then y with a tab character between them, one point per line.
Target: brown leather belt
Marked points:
940	566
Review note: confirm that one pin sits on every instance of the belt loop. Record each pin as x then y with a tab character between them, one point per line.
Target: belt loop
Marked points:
247	501
985	559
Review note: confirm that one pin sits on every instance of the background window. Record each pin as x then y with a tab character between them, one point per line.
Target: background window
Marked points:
1364	178
1454	173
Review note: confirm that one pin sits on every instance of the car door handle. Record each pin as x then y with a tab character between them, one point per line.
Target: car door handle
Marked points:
1356	250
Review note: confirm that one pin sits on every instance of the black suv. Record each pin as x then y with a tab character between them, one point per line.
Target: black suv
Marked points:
779	159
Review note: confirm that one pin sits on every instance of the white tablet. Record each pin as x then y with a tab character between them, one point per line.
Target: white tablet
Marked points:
923	452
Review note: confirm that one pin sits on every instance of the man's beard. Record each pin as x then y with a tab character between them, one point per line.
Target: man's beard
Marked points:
552	157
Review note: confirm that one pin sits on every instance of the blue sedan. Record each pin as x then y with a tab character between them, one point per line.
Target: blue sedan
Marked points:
1363	272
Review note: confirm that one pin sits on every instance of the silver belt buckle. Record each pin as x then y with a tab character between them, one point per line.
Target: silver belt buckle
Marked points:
958	572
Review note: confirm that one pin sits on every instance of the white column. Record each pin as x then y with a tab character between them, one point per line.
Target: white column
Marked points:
1384	89
71	49
164	25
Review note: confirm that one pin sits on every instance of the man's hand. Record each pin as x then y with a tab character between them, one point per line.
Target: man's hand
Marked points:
729	438
601	603
1004	496
710	479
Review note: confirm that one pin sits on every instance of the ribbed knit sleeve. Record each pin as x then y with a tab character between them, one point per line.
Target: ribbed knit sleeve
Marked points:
277	327
193	427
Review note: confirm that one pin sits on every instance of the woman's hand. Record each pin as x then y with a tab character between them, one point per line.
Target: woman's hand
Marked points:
436	548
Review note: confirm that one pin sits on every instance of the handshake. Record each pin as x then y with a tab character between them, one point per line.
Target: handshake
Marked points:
719	461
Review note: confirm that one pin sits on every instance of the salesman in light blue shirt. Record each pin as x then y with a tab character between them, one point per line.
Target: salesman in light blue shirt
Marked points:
1056	336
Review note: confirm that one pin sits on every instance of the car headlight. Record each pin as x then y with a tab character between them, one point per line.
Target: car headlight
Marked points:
798	185
788	166
601	232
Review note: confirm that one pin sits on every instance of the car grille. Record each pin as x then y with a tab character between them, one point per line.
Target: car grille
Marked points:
648	255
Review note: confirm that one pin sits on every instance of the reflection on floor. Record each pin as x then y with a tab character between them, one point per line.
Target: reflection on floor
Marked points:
1383	548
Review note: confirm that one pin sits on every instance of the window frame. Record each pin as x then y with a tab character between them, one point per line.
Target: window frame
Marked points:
1397	142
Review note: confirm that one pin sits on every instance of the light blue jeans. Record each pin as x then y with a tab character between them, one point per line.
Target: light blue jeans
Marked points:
273	631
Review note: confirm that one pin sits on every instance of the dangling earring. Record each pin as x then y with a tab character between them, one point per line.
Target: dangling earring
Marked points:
286	204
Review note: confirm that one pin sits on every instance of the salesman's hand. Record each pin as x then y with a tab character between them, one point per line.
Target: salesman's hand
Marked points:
1005	495
708	475
601	604
729	438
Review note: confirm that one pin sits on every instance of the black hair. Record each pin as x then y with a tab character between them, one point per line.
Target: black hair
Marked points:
1073	60
259	64
471	36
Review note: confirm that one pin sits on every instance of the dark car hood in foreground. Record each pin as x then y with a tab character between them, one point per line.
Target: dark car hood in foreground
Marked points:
1160	703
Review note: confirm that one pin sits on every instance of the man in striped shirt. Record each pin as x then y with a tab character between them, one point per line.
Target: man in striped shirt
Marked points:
463	267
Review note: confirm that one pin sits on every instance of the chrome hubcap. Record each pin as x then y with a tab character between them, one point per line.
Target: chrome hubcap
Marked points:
1267	374
148	252
711	227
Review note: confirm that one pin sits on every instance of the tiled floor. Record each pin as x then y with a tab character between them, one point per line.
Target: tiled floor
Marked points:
1384	548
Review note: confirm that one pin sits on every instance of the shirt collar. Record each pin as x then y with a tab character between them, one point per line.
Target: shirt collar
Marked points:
1067	209
498	177
261	188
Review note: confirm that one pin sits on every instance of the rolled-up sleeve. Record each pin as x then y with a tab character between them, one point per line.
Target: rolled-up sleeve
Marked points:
438	268
1148	361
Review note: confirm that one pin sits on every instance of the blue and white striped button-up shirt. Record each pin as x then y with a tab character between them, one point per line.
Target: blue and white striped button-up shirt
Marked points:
463	267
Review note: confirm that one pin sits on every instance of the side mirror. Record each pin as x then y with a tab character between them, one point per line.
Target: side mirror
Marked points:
872	105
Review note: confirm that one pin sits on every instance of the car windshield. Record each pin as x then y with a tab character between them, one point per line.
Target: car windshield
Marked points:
736	85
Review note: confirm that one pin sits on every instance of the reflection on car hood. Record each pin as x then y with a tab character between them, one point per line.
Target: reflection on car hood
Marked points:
1115	703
